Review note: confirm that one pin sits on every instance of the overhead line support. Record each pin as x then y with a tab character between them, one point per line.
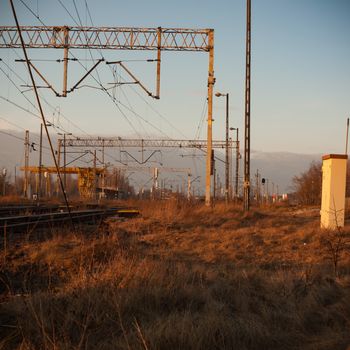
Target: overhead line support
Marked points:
246	185
41	110
122	38
211	82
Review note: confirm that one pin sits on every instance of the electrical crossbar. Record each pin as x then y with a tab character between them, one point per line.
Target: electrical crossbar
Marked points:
120	38
143	143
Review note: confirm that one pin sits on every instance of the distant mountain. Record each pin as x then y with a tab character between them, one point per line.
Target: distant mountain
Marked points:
278	167
281	167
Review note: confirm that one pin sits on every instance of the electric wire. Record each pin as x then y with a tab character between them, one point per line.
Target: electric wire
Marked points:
115	101
153	109
35	136
98	80
46	102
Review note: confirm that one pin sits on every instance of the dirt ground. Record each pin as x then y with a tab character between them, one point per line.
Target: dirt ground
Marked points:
180	276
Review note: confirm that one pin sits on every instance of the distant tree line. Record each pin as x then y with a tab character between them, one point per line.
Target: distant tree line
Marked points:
308	185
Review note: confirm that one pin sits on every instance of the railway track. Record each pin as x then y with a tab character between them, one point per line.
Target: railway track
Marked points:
48	219
12	210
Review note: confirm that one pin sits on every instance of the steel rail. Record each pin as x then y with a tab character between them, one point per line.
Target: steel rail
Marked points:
52	218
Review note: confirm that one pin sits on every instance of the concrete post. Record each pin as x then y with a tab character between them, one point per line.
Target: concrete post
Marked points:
333	190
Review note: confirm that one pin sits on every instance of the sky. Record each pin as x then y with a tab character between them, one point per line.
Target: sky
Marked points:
300	73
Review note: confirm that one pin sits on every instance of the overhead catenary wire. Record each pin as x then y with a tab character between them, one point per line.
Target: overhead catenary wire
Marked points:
41	112
60	128
46	102
153	109
35	136
116	102
98	80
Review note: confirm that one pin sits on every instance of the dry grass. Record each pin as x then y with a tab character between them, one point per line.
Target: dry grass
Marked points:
179	277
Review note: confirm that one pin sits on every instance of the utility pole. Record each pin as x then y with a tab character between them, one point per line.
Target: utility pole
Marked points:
211	82
95	177
237	162
64	162
214	190
26	164
257	179
227	161
16	191
188	186
4	172
58	164
231	169
155	182
65	62
267	191
142	149
237	166
39	102
246	193
39	192
64	159
227	170
104	169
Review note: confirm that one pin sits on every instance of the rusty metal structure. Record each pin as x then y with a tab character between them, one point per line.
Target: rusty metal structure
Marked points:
101	142
119	38
87	177
246	188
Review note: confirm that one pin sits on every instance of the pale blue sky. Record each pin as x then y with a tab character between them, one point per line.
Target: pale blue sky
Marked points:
300	71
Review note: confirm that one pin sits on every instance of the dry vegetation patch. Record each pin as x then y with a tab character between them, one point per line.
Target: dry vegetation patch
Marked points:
182	276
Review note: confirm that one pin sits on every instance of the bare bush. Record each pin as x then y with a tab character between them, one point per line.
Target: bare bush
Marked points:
308	185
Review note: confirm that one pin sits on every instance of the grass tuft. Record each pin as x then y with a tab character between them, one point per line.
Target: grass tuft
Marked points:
182	276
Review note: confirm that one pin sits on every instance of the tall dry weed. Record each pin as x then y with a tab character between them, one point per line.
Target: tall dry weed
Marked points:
179	277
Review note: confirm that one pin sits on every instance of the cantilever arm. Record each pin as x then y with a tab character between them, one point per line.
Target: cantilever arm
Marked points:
137	81
86	74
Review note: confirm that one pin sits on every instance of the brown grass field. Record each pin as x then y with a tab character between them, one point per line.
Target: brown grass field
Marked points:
181	276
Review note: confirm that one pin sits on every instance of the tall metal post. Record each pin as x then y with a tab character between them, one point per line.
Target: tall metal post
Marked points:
4	172
159	41
104	169
267	192
227	160
211	82
26	164
257	184
16	192
58	164
95	178
231	168
65	61
188	186
237	164
227	163
214	176
64	162
39	192
142	149
246	193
